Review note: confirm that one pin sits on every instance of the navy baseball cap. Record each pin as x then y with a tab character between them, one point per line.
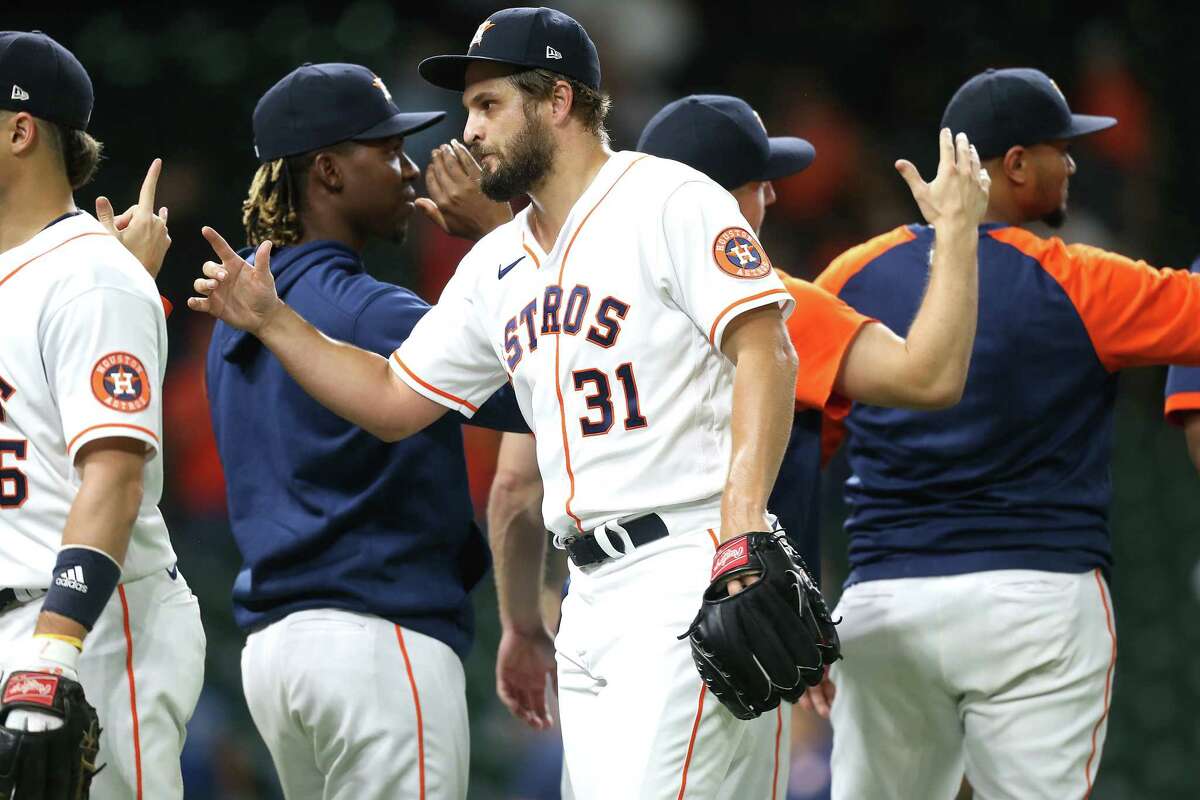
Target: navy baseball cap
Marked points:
39	75
317	105
535	38
1003	108
722	137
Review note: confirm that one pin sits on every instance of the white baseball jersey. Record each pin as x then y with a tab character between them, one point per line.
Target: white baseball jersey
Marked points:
611	340
85	348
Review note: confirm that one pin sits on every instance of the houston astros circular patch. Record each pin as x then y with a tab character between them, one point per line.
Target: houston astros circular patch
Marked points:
739	254
119	382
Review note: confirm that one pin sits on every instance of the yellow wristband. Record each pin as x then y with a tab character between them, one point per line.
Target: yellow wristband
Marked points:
71	640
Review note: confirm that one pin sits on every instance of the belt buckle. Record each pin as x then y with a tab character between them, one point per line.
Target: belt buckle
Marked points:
601	534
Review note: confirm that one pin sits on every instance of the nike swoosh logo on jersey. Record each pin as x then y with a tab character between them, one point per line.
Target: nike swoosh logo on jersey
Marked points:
505	270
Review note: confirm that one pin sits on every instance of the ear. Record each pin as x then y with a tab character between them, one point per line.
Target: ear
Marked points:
1016	165
327	172
562	99
21	132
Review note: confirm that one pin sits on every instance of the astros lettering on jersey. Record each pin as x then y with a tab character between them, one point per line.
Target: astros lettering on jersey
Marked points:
611	340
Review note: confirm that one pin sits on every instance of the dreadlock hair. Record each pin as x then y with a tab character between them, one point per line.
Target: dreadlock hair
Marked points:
588	106
272	207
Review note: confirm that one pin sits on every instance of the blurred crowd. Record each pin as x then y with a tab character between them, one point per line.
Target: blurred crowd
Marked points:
865	83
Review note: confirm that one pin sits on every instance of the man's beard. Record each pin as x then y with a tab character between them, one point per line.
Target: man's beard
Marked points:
529	159
1056	218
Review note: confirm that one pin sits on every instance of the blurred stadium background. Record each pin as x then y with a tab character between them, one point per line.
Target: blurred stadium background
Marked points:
866	83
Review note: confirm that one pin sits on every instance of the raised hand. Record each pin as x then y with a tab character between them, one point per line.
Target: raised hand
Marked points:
139	228
455	203
234	291
959	192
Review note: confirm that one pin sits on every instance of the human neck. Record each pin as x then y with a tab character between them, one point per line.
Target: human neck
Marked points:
575	167
319	224
26	207
1003	214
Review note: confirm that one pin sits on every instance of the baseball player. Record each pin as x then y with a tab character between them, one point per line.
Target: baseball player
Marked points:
1183	401
977	621
928	370
84	552
642	328
359	555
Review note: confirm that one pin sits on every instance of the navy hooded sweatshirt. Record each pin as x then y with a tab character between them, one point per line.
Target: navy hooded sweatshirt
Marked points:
325	514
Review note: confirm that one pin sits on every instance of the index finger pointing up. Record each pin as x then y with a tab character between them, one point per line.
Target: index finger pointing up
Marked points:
150	186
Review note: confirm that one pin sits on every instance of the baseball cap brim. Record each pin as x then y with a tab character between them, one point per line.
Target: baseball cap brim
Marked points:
401	125
1082	124
450	72
789	155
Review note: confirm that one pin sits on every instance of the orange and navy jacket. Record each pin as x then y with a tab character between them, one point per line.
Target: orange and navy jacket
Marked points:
1183	386
1016	476
821	328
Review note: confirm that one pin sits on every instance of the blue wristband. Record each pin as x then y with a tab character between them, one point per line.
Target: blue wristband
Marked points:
83	581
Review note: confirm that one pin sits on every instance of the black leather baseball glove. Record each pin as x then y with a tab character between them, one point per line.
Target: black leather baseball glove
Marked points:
50	764
768	642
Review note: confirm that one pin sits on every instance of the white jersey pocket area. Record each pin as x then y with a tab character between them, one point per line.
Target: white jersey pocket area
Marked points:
85	349
611	339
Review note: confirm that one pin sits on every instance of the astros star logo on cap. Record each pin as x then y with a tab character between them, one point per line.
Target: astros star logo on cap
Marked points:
381	86
484	28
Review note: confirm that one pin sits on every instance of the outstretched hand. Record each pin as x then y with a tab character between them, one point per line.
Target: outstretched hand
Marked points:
959	192
235	291
455	203
139	228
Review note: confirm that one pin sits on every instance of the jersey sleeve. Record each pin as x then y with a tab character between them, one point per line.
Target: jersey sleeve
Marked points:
1136	315
1183	386
447	357
822	328
104	362
718	270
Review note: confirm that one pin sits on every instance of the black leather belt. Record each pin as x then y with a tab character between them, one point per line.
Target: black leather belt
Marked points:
585	550
10	598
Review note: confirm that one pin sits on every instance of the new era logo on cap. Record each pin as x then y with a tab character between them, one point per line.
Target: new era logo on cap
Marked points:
552	53
72	579
19	94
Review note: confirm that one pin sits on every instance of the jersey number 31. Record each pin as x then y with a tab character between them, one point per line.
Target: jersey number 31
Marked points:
601	399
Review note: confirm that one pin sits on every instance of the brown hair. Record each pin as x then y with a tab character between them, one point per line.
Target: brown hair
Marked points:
589	106
78	151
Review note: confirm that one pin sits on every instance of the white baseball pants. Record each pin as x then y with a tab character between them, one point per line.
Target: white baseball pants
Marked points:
1006	675
353	707
142	668
637	723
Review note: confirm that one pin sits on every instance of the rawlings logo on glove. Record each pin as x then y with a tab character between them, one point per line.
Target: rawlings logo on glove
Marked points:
55	763
768	642
28	687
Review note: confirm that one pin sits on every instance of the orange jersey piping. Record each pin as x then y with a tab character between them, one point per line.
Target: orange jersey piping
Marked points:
562	411
433	388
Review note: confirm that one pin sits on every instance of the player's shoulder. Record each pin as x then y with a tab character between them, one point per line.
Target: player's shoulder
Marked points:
656	177
83	256
857	258
1057	256
502	244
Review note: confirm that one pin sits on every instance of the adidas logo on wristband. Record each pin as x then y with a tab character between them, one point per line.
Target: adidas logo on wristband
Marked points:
72	579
